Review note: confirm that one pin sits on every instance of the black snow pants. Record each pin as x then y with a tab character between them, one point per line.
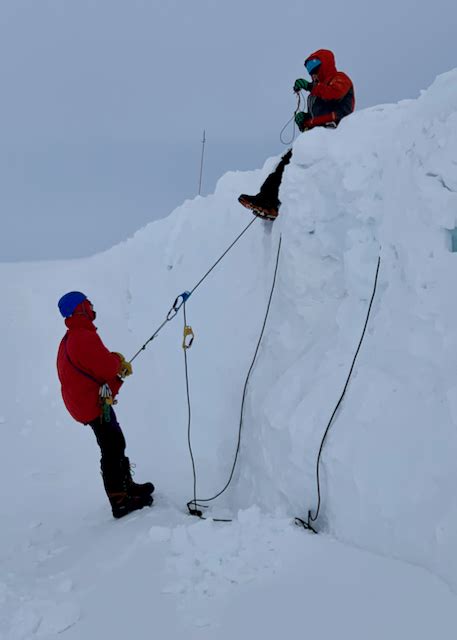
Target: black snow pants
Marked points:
110	440
270	188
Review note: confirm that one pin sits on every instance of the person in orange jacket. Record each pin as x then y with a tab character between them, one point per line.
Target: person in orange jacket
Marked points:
331	98
91	376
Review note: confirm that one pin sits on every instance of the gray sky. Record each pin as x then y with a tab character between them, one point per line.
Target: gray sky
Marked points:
103	102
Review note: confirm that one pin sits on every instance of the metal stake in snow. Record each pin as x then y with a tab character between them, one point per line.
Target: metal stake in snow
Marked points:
201	162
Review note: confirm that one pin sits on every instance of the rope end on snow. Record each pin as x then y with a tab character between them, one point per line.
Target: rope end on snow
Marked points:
306	525
193	511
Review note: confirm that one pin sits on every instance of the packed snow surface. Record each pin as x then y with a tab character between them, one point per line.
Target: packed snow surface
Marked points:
385	562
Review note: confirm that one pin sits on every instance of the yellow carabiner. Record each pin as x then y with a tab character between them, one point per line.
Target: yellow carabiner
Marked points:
187	333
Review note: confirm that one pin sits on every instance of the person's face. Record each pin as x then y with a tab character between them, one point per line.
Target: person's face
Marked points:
86	308
90	309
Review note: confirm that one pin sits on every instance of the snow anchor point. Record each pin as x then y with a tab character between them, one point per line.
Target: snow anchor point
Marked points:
193	511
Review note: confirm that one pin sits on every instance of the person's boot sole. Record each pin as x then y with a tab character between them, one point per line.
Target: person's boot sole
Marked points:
266	214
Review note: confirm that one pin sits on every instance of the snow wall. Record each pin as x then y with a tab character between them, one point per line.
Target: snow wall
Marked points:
384	183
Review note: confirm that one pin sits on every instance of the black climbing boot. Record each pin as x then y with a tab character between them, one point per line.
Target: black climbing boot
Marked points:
123	504
121	499
133	488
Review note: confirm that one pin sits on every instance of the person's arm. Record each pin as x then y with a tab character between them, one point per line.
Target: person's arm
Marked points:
320	121
305	121
88	352
336	89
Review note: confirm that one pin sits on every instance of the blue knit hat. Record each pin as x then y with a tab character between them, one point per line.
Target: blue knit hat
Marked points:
68	303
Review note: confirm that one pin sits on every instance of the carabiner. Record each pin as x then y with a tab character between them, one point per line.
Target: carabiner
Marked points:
188	332
177	304
180	300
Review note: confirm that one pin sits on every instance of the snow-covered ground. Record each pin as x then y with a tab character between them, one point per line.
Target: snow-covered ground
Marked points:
385	562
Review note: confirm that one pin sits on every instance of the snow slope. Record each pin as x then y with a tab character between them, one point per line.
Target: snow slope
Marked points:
384	183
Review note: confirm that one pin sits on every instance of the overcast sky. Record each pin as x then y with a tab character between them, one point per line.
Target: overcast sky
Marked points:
103	102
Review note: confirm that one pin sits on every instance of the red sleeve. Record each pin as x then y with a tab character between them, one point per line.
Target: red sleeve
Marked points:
88	352
319	121
336	89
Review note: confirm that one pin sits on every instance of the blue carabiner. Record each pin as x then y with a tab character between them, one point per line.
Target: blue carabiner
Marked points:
178	303
180	300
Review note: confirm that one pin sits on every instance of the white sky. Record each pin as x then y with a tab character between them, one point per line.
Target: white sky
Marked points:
103	102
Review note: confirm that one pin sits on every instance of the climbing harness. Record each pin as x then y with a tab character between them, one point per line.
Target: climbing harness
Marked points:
312	518
183	297
292	119
195	505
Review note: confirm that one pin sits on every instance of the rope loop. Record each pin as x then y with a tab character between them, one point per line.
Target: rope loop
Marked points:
292	119
193	511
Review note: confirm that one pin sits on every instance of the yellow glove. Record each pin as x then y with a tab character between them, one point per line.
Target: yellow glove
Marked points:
125	368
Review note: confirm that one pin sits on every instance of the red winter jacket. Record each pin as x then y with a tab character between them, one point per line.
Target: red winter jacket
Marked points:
83	365
332	97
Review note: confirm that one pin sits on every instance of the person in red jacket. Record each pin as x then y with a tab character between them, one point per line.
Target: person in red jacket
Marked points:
331	98
90	378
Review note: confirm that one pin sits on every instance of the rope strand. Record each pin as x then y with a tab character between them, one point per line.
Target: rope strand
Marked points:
311	518
175	308
189	409
222	256
197	502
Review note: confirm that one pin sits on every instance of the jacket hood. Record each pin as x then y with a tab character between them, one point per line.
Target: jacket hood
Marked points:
328	67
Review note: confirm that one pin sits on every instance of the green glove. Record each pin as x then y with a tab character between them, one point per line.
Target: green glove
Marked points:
301	83
301	118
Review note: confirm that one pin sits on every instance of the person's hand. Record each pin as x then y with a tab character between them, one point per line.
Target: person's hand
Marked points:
301	118
125	368
301	83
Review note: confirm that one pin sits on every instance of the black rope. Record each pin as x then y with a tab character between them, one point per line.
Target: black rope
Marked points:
297	108
180	300
222	256
189	408
311	518
154	335
195	505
